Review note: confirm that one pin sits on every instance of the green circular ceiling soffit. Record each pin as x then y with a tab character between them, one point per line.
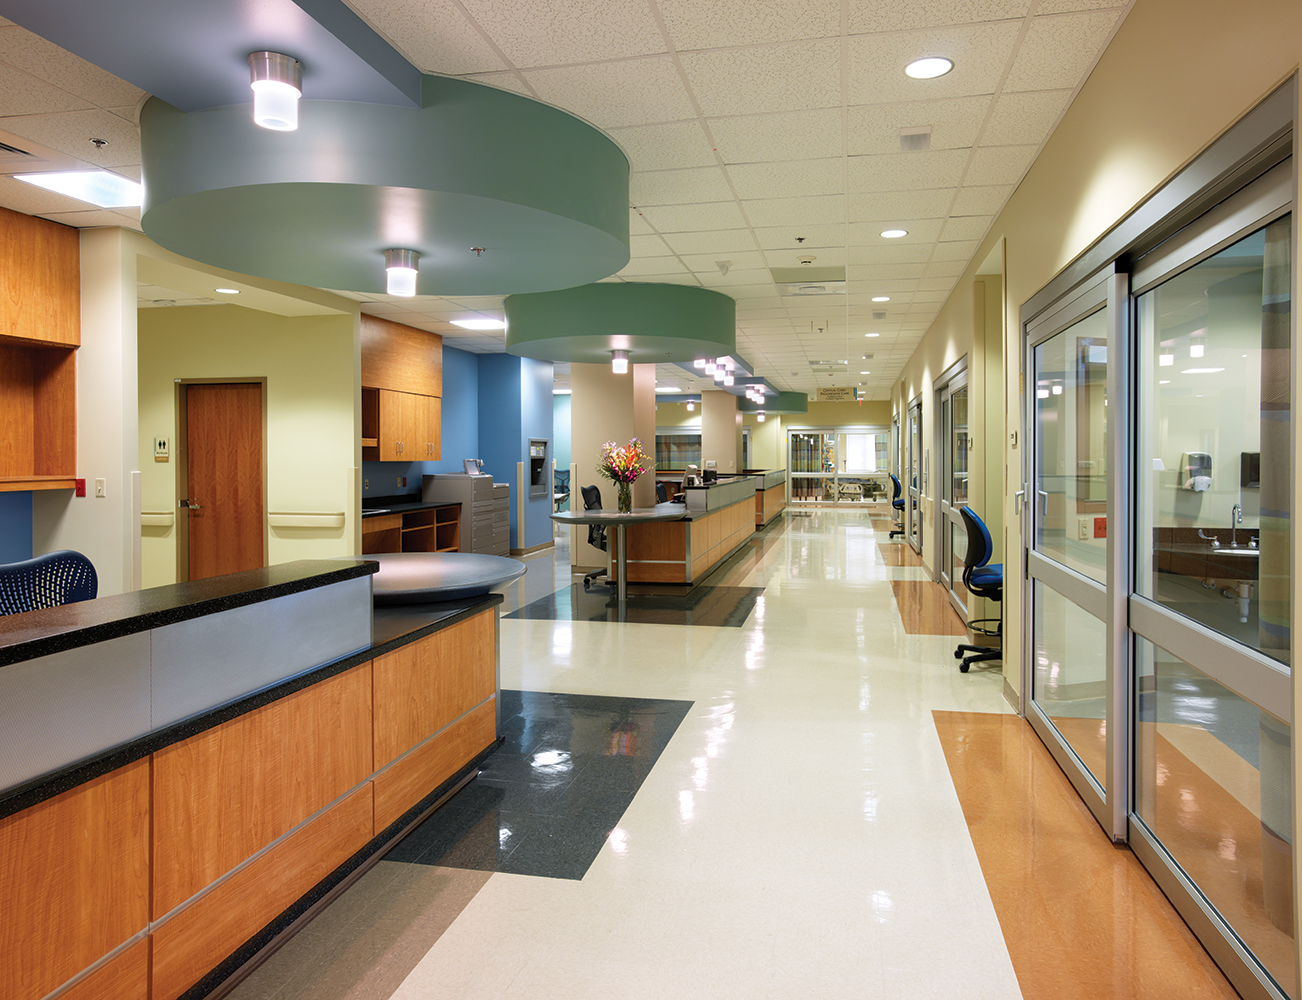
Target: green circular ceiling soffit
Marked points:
545	194
783	402
655	323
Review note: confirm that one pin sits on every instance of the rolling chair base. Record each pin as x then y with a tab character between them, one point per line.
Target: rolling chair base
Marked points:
589	577
896	531
979	654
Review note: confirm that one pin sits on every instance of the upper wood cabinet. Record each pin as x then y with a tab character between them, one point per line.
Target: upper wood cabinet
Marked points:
40	329
40	281
401	357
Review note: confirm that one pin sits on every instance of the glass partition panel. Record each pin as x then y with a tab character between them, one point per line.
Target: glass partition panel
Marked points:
1215	458
677	449
958	447
1070	379
1070	675
1213	783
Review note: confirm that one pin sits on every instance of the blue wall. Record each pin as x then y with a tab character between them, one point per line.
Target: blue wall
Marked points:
515	405
460	436
15	527
561	428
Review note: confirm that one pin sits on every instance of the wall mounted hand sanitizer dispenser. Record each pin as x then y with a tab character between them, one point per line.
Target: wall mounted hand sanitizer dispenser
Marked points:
1196	471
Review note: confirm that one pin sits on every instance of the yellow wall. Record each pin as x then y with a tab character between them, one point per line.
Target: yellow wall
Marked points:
1176	75
307	364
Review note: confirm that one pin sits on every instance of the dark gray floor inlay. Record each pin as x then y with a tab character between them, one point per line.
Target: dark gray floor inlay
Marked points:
718	606
545	802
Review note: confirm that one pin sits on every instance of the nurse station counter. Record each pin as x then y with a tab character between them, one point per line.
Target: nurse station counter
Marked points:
186	770
720	517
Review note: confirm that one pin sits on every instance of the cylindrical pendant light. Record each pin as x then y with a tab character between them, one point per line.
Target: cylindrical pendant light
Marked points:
277	82
401	268
619	362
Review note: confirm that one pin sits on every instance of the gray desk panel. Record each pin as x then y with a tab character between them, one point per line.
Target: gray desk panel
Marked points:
62	708
209	661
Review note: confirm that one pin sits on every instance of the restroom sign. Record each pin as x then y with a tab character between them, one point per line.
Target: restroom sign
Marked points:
836	395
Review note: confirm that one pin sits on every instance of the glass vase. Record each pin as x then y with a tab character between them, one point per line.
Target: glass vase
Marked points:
625	497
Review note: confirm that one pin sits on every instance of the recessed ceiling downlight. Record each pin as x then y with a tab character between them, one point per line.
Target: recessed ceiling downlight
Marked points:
894	234
227	291
881	298
480	324
929	68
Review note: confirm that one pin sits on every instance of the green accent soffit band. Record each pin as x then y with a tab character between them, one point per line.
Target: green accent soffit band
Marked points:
783	402
655	323
543	193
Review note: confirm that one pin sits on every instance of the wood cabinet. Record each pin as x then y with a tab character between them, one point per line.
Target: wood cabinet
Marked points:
437	529
401	357
40	328
400	426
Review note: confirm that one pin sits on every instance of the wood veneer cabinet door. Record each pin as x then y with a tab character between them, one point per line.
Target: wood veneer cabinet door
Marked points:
223	795
423	686
40	280
74	880
400	357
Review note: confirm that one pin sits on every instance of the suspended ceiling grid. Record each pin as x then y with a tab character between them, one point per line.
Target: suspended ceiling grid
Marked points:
748	126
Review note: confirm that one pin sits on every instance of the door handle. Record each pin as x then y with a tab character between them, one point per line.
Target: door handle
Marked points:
1018	497
192	504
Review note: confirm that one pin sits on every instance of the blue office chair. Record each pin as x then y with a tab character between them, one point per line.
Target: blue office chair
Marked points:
62	577
897	501
985	580
662	493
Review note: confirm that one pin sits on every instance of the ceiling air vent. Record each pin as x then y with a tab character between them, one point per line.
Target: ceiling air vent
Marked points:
879	314
6	148
915	138
808	280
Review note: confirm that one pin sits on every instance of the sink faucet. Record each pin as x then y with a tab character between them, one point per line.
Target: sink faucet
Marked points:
1236	517
1216	542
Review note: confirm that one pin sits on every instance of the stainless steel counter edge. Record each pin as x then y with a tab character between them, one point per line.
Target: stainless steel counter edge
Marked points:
717	495
393	628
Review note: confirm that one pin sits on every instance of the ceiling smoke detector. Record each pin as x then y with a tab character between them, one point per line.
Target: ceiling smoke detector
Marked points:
806	260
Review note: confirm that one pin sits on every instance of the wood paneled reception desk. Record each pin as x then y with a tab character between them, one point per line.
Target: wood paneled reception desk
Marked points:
186	770
719	518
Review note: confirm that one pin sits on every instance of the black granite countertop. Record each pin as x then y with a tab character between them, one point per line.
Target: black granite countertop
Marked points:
376	508
392	628
52	630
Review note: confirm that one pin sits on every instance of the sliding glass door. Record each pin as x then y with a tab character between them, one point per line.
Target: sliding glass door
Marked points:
953	441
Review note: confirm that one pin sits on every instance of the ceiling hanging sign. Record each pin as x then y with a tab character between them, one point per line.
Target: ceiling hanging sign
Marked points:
654	323
497	193
834	394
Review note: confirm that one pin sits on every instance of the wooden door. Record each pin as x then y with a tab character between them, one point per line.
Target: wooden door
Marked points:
224	476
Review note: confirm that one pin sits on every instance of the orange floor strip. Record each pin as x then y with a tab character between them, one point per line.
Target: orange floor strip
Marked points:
925	609
1081	917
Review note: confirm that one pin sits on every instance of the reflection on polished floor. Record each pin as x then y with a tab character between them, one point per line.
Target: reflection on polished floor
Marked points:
800	834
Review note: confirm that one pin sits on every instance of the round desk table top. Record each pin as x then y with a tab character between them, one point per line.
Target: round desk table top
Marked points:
421	577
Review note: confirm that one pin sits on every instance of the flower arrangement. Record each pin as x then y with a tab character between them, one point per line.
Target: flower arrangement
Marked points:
622	465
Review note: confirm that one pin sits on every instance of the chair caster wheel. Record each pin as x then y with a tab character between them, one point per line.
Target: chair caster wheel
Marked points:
958	654
964	667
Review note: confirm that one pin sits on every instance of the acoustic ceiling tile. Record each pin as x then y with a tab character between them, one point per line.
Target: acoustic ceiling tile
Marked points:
32	54
980	53
907	171
568	31
1019	119
788	179
814	210
651	245
918	253
954	123
665	146
611	94
707	24
639	266
507	80
1059	49
789	135
1069	6
999	165
897	15
944	269
21	94
678	187
825	241
741	260
694	218
863	234
75	130
758	80
722	242
435	38
888	206
971	227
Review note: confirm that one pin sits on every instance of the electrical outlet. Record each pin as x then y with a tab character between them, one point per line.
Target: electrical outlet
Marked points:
366	485
99	488
1084	528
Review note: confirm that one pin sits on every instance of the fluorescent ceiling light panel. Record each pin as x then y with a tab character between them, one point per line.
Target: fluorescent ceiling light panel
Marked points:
894	234
480	324
667	388
97	187
227	291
